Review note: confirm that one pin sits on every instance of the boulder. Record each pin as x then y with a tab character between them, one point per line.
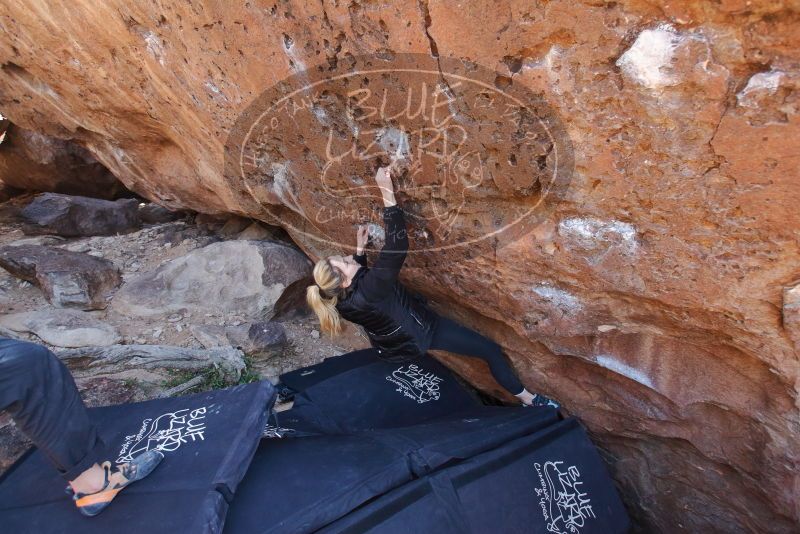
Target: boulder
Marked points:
210	222
256	232
258	340
210	335
68	279
5	332
259	232
233	226
33	161
261	340
10	209
74	216
39	240
7	192
63	328
245	277
152	213
292	303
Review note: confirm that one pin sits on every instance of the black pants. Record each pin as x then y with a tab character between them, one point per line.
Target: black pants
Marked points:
453	337
40	395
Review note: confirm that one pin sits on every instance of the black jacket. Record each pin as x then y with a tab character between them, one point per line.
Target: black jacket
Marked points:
397	321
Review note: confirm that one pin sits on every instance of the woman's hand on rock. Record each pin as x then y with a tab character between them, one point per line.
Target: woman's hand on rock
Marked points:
362	238
383	179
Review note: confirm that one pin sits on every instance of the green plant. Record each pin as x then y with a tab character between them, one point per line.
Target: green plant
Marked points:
129	383
248	375
178	377
213	377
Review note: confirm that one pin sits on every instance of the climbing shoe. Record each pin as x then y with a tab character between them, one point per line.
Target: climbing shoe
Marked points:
91	504
542	401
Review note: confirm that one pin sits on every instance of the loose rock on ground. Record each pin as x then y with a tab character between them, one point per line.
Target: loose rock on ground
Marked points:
232	276
63	328
72	216
67	278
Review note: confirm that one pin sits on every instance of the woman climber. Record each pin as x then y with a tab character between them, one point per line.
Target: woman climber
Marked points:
399	323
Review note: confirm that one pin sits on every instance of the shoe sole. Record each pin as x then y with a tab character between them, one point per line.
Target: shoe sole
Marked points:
102	499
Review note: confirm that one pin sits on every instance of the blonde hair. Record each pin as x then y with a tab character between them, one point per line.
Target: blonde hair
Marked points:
324	294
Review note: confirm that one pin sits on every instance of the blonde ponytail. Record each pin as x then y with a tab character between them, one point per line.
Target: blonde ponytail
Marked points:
323	296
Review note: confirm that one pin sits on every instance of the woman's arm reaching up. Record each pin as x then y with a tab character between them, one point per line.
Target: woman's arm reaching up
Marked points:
380	279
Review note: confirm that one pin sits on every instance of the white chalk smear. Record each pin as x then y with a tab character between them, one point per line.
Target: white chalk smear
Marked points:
612	364
763	81
649	60
282	187
588	232
563	300
394	142
154	46
376	233
216	92
320	114
297	64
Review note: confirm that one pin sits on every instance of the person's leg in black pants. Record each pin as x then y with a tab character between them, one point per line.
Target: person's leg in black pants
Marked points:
453	337
40	395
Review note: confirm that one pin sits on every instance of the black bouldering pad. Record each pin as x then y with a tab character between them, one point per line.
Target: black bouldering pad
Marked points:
324	395
301	420
208	440
386	395
375	447
550	481
301	379
413	508
460	436
311	481
298	485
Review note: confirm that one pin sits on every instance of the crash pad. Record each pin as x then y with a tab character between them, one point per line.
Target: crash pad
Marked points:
312	481
208	440
552	481
301	379
386	395
298	485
